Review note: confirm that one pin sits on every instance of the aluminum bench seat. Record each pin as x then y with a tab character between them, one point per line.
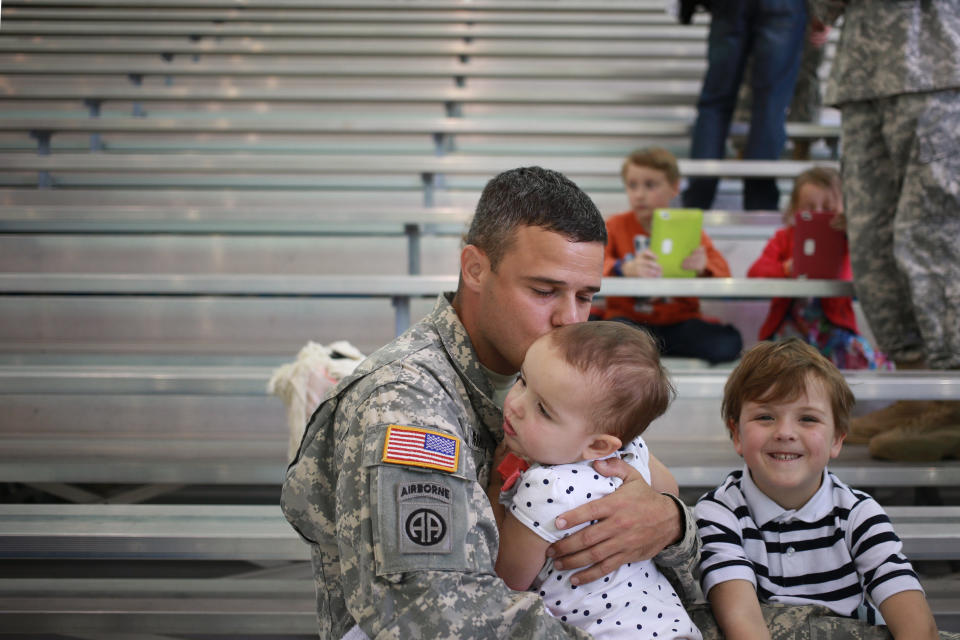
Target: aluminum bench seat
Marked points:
260	532
590	6
340	164
420	15
215	425
379	125
488	47
222	607
228	607
669	33
60	213
687	73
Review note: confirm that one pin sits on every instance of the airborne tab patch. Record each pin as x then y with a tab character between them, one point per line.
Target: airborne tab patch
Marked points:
424	517
417	447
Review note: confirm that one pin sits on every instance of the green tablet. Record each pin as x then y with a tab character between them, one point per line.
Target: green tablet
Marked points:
675	233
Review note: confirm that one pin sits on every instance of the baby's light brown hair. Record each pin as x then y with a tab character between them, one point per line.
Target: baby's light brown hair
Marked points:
624	362
823	177
653	158
779	372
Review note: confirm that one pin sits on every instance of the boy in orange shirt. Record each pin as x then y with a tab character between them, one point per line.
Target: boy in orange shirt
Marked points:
651	178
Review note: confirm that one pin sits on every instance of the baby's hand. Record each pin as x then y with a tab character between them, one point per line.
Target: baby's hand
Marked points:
696	261
645	265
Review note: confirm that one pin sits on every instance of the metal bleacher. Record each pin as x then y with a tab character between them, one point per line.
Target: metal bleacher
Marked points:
192	189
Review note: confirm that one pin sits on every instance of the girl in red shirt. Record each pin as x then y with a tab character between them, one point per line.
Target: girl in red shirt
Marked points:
826	323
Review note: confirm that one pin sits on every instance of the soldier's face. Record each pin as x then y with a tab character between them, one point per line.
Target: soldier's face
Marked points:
786	445
546	416
543	281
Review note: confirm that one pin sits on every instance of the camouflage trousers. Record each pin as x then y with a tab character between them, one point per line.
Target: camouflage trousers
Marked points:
807	622
901	187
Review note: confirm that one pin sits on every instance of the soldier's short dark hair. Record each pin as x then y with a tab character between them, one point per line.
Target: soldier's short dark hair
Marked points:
633	387
534	197
779	372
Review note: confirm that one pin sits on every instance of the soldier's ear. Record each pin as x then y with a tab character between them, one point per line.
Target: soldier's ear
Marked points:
474	266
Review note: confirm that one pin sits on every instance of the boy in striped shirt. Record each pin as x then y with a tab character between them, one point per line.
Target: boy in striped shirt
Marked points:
784	529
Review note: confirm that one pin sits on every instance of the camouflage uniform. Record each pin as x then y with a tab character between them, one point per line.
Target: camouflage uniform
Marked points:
372	567
802	622
896	79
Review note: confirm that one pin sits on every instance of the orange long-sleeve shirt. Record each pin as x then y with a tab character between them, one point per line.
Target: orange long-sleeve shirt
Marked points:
622	228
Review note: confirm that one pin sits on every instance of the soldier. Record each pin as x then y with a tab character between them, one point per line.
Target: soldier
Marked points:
896	80
388	485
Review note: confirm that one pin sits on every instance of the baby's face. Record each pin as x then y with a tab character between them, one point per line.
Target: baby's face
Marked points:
786	445
546	416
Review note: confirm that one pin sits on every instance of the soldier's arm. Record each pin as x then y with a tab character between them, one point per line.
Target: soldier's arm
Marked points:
418	544
635	523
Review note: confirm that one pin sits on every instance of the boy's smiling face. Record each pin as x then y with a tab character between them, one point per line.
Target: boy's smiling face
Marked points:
648	189
787	444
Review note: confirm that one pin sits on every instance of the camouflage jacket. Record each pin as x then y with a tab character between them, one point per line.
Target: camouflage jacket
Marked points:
403	540
889	47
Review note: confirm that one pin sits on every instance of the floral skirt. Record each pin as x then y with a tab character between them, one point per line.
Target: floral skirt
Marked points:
846	349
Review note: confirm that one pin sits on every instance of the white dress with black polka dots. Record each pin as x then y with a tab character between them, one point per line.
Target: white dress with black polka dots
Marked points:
636	600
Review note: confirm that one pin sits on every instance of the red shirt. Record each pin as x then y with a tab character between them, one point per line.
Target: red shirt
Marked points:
779	249
622	228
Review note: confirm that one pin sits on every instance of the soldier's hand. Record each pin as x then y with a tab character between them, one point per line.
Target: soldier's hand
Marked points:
634	523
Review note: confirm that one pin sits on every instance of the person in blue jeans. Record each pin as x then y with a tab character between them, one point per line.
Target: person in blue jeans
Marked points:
772	31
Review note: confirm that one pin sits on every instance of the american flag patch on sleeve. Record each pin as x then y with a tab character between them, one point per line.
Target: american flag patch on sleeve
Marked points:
421	448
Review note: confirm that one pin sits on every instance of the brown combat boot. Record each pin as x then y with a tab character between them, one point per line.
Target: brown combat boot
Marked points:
865	427
912	444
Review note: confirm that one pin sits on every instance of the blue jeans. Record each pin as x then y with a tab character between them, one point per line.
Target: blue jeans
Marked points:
694	338
771	31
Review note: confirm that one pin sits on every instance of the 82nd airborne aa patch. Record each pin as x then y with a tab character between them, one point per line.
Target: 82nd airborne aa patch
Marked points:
423	517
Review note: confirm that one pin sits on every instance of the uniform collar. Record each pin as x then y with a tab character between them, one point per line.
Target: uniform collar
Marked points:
765	510
456	342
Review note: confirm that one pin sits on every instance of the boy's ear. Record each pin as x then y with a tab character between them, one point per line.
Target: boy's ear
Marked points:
676	189
734	428
474	264
838	439
601	445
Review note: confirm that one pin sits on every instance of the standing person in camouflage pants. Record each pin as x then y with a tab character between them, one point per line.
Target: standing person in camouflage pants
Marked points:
389	484
896	80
